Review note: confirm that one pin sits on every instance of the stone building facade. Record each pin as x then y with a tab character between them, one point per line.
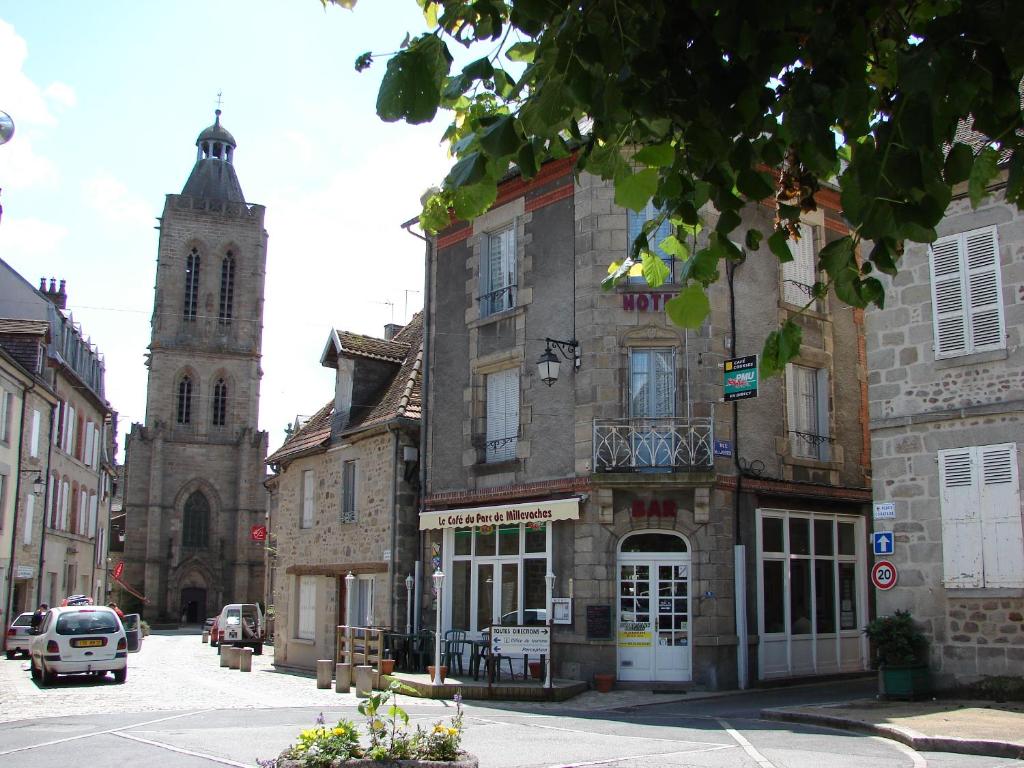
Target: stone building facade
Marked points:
640	491
343	499
947	429
69	521
194	472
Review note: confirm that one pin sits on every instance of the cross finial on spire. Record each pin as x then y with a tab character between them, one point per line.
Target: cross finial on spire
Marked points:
220	99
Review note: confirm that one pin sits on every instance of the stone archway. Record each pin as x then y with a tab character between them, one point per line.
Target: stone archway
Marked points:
193	605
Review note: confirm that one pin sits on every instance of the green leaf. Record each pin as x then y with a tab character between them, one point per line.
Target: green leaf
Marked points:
674	248
753	239
655	271
958	164
527	161
435	215
617	271
524	52
689	308
727	222
500	138
468	170
480	69
778	244
754	185
837	256
656	155
871	291
411	88
636	189
780	347
985	168
474	199
883	257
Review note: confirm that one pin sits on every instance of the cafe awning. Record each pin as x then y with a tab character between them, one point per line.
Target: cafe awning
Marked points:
529	512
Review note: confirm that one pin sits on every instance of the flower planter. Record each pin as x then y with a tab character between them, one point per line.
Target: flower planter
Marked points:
430	672
465	761
536	670
903	681
604	683
387	666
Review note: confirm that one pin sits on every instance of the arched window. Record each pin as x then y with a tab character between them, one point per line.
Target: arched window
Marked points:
196	521
191	284
185	400
220	403
227	288
654	541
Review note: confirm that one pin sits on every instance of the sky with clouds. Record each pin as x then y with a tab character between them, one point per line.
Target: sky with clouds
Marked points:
108	99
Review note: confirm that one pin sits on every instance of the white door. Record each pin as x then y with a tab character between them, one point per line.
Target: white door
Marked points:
653	625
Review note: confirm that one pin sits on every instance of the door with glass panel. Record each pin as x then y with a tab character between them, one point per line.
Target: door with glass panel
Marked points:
652	394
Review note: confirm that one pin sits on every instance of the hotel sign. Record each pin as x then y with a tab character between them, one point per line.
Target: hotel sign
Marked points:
530	512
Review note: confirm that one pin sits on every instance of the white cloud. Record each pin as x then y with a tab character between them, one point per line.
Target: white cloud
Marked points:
33	238
23	99
61	93
112	200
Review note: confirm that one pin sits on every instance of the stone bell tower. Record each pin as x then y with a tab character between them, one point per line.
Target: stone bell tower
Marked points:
194	478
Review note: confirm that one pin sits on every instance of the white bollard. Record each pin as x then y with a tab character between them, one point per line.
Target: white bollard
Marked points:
206	637
234	657
364	680
245	659
222	651
342	677
323	672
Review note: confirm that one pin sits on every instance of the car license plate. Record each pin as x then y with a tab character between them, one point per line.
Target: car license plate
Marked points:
92	643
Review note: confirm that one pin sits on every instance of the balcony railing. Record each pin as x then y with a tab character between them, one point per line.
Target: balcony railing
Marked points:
652	444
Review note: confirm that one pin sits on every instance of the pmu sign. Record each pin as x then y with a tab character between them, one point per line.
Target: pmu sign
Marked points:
884	575
740	378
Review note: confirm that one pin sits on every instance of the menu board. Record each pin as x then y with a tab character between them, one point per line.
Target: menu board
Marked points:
599	622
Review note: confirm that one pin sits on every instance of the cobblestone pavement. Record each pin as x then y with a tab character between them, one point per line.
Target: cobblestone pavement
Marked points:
173	671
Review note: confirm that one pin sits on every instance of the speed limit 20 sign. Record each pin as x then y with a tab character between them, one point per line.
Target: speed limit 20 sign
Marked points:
883	575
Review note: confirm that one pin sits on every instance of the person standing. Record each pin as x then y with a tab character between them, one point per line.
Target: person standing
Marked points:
37	617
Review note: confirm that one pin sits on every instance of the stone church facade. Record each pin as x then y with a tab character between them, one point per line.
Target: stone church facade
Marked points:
193	488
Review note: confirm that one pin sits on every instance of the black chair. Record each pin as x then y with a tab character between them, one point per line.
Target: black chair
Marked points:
453	650
421	650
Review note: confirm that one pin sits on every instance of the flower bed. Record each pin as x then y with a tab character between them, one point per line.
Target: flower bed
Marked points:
389	741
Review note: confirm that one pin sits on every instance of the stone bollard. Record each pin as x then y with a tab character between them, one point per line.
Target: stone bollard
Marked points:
323	673
342	677
245	659
222	651
364	680
234	655
206	637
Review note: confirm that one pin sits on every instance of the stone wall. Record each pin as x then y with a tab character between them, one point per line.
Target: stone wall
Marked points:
919	406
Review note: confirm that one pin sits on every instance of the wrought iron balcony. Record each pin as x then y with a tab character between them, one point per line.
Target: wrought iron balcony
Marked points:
652	444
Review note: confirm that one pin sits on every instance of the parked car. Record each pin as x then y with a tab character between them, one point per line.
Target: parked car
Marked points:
19	635
214	631
241	624
82	640
76	600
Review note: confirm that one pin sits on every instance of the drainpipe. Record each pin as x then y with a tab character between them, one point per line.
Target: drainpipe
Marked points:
393	429
425	406
46	503
17	503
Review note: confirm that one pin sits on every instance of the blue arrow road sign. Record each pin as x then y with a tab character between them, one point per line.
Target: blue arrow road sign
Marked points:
883	541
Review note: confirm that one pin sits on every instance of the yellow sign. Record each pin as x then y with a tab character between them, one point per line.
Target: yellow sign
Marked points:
635	634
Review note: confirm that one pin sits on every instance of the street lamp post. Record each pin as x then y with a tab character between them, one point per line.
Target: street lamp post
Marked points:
408	604
438	578
549	577
350	581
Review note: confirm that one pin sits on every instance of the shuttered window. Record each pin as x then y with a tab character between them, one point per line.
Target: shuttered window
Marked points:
498	272
800	274
306	619
30	509
807	412
502	415
982	536
635	221
308	490
33	446
348	492
967	304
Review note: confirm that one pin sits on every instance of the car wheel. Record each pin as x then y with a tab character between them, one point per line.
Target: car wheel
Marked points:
49	676
32	668
258	649
10	655
120	675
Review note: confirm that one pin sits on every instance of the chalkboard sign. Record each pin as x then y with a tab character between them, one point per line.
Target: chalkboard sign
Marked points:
599	622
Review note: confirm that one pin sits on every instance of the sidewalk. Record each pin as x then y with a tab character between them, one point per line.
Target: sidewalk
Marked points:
964	727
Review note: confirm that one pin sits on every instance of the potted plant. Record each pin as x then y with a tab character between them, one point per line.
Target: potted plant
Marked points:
900	648
387	665
603	682
444	672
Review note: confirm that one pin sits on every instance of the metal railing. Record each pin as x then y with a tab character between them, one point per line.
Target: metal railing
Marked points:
673	444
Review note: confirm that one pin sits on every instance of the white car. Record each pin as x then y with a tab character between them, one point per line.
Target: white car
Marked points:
76	640
18	635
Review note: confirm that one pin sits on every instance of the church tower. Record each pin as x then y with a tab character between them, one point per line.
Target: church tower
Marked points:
194	477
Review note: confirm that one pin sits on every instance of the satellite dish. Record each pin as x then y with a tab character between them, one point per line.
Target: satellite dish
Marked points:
6	127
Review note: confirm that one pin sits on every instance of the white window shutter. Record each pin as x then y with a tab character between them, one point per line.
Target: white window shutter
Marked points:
33	446
30	508
307	498
87	453
948	297
961	525
1002	535
984	290
801	269
93	513
823	399
502	415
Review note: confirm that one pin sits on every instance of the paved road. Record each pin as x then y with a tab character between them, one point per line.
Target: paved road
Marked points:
190	713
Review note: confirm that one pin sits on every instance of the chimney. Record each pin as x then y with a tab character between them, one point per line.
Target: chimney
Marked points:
58	296
391	329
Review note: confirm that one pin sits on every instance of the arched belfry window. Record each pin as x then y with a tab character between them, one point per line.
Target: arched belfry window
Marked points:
227	288
195	522
220	403
191	284
184	409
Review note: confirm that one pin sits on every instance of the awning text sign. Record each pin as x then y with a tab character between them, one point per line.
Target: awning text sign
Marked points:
521	641
531	512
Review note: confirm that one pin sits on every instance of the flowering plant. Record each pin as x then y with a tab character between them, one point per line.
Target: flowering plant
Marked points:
320	746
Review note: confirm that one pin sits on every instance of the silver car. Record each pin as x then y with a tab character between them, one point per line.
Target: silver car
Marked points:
82	640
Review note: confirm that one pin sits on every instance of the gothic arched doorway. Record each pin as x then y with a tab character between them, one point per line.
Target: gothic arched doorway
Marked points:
193	605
